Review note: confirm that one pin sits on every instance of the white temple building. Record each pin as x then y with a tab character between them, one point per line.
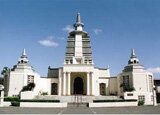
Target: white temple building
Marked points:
78	75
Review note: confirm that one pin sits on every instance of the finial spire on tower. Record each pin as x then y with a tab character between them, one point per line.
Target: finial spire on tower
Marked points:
24	52
78	18
78	25
133	53
23	58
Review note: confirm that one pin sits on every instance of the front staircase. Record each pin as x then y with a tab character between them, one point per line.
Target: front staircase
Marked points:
77	98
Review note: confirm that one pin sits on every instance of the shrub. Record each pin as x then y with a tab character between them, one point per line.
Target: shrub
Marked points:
15	103
38	100
140	103
131	100
44	93
16	98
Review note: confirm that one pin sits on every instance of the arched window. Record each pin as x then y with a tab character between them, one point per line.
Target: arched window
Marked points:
54	89
102	89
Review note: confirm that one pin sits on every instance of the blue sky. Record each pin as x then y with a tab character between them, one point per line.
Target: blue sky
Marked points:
115	26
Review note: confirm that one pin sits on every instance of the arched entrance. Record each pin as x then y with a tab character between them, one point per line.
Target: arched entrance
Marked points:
78	86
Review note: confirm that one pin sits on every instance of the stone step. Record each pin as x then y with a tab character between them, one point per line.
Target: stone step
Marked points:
71	105
78	99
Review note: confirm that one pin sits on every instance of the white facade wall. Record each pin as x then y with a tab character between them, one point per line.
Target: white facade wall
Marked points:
113	104
40	104
140	81
18	79
141	84
101	76
16	83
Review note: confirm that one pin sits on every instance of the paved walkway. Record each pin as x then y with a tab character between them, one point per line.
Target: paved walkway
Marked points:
82	110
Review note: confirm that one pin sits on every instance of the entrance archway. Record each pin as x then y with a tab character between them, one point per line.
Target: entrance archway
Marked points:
78	86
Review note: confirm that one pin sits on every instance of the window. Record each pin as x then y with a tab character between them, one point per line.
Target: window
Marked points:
130	94
30	79
102	89
150	83
141	98
124	80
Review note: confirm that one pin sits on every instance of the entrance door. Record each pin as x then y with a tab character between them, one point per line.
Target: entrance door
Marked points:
54	89
78	85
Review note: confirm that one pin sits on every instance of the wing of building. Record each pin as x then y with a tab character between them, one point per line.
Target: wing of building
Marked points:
78	75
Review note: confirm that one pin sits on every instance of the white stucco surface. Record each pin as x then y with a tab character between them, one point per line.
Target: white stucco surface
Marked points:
113	104
40	104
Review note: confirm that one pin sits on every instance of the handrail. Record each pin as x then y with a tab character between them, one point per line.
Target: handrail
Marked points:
78	100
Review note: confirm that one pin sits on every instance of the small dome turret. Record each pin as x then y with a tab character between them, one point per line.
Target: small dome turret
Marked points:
133	58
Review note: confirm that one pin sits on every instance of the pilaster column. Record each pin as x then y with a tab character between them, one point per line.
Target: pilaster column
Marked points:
88	84
60	84
93	82
64	83
69	83
2	97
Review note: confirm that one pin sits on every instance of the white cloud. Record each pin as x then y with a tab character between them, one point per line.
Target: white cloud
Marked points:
48	43
154	70
68	28
97	31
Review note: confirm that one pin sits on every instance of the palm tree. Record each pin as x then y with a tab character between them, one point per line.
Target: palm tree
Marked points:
5	71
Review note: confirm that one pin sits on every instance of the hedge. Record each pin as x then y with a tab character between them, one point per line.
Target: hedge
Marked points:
38	100
131	100
15	103
12	98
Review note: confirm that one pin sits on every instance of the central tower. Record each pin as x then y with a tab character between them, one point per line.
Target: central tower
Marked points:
78	50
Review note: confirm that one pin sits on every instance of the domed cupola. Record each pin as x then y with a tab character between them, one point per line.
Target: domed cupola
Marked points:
133	58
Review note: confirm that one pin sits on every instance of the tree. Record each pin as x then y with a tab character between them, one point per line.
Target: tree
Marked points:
31	86
1	80
28	87
5	71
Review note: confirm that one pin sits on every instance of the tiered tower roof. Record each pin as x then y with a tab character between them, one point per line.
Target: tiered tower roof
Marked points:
78	50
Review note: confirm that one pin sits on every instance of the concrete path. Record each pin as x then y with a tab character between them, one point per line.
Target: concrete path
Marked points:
82	110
